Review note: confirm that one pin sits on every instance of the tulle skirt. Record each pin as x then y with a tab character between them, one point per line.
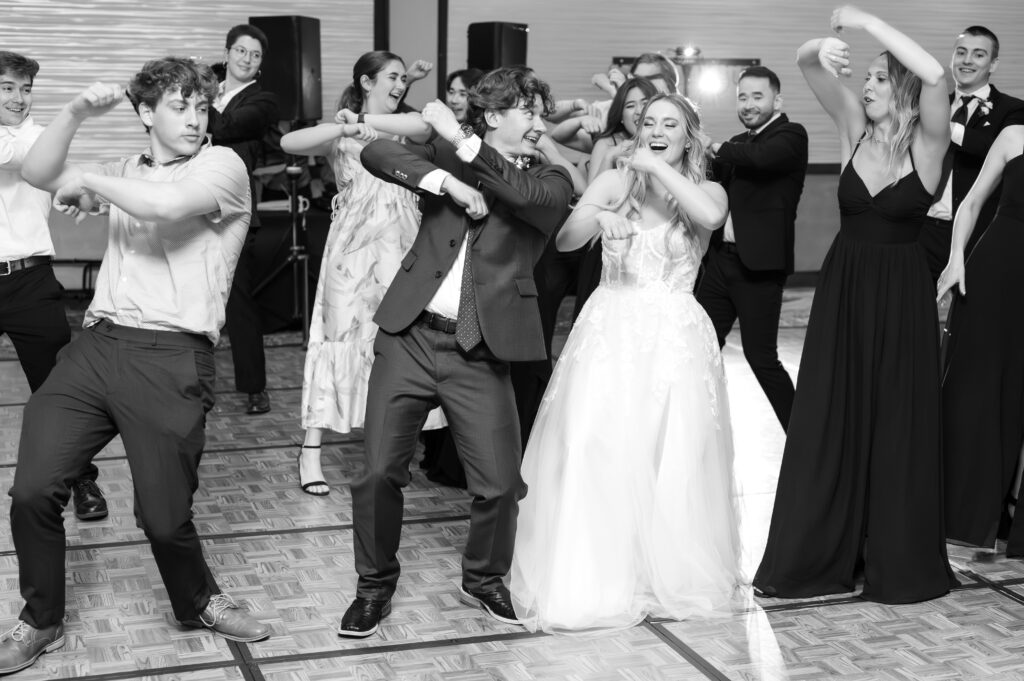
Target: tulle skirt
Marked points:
630	509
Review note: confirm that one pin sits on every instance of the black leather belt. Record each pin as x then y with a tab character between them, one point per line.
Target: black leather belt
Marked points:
437	322
8	267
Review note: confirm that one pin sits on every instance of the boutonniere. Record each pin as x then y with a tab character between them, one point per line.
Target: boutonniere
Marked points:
524	162
985	107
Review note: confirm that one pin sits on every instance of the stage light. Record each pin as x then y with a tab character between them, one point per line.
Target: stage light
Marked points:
710	82
690	52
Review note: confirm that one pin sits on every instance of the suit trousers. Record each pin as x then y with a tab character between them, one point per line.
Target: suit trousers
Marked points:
244	325
729	291
153	388
33	317
414	371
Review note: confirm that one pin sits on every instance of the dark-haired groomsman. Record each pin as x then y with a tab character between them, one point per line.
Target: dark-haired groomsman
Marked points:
979	113
763	171
31	299
143	366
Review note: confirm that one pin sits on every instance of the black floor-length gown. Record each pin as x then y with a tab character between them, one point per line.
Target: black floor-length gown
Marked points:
860	486
983	389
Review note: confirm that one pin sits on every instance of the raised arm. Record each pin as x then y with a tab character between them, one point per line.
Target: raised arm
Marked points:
705	204
45	166
409	125
577	133
822	61
320	139
785	150
932	140
593	211
1007	146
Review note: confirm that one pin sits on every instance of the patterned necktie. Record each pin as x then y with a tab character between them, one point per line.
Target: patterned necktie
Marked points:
960	115
467	326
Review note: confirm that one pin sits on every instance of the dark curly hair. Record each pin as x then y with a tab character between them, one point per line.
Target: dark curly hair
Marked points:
18	65
169	74
503	89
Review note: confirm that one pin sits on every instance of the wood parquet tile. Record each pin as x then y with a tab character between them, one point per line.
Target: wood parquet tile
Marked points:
969	634
287	557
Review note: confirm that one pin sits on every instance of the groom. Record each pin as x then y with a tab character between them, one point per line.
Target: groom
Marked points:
462	306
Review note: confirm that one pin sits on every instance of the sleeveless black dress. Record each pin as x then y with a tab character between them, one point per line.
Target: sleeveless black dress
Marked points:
860	488
983	390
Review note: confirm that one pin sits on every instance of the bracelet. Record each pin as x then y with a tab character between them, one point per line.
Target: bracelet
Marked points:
465	132
361	118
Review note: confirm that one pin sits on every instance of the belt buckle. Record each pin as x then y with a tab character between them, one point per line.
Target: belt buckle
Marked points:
5	268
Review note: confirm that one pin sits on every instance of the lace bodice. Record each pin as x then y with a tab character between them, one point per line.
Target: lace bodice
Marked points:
648	259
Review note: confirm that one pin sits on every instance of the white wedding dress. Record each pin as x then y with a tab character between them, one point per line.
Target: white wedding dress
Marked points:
630	509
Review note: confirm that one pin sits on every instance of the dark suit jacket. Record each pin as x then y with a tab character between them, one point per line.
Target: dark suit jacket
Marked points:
526	207
966	160
764	176
242	126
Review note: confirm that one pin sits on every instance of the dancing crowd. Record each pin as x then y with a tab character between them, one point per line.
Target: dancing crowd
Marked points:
455	233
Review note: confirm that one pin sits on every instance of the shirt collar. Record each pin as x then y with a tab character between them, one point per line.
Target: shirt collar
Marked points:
982	93
15	129
770	121
146	157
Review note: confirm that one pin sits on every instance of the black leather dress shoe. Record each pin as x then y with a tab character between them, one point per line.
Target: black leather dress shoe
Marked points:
89	501
496	603
259	403
363	617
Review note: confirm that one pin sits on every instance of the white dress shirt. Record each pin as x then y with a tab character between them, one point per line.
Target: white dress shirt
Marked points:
24	210
446	301
943	208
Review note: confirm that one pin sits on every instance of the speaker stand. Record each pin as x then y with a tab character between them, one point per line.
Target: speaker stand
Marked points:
297	260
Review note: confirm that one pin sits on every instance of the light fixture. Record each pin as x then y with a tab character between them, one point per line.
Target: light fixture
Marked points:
689	51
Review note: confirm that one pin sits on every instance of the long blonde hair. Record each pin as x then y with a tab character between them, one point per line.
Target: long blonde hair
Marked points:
905	112
694	167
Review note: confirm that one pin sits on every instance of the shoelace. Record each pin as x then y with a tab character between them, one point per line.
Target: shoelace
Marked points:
17	633
216	607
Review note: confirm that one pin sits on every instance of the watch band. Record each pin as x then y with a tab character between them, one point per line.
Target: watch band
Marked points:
361	118
465	132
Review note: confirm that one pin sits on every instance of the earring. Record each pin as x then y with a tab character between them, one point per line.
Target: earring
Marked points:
259	73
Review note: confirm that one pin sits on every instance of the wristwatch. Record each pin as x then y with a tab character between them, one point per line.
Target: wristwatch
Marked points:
465	132
361	118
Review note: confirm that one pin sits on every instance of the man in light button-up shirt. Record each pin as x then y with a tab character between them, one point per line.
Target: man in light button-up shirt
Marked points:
31	299
143	368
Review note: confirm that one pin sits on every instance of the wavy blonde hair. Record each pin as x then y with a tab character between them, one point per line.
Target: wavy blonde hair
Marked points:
905	112
693	166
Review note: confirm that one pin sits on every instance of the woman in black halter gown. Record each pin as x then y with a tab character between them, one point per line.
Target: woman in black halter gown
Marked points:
860	489
983	389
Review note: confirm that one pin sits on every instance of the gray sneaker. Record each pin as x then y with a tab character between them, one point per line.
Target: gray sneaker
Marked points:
223	616
22	645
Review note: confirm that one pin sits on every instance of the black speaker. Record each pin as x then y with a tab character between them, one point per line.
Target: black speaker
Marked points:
291	67
496	43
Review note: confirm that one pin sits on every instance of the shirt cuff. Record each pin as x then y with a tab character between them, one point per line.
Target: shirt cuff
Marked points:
433	180
956	134
469	148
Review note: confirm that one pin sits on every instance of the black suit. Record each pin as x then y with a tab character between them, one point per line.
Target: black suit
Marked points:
417	367
242	126
965	161
764	177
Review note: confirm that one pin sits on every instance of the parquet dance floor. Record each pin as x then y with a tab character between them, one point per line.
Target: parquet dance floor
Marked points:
287	557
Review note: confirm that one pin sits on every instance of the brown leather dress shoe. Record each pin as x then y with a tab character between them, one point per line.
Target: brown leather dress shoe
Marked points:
23	645
223	616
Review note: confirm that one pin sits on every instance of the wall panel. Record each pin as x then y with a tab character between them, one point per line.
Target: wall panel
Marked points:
571	40
81	41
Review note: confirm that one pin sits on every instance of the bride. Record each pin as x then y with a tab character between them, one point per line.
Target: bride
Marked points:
630	509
